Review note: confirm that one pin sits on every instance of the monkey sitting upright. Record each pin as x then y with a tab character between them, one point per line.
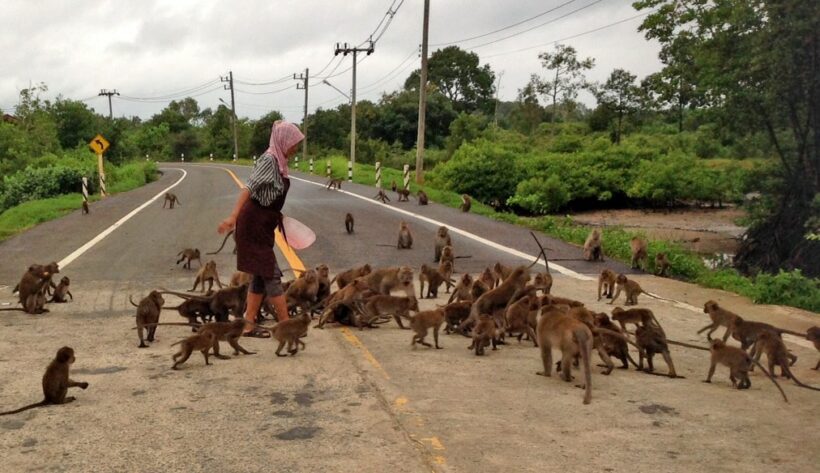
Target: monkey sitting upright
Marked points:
56	382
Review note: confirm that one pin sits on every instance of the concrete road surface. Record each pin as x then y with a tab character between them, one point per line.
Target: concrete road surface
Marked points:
360	400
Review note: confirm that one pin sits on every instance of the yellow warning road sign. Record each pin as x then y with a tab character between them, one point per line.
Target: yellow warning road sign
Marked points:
98	144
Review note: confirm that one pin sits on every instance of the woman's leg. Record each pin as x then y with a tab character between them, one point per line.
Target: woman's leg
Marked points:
256	293
280	304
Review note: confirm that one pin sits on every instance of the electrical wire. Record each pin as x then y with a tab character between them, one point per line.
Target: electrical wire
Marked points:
160	100
275	81
289	87
393	73
171	95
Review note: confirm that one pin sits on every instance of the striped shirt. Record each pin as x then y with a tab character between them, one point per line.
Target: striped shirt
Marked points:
265	183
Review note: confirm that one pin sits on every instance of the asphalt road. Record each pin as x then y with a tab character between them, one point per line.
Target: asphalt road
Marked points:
363	401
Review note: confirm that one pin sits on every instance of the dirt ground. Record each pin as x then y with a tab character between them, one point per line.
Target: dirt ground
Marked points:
715	229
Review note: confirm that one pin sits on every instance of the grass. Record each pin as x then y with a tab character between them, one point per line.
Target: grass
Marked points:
28	214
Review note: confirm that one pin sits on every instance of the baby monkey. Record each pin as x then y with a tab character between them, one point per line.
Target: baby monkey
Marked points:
56	382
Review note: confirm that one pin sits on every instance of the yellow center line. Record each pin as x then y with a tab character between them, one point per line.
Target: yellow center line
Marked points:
354	340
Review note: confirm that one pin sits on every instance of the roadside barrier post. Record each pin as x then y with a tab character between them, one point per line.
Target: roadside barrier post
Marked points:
378	174
182	157
406	176
350	171
327	168
212	156
85	189
311	165
296	163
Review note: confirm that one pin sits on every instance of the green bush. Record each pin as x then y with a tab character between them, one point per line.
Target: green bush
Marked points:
38	183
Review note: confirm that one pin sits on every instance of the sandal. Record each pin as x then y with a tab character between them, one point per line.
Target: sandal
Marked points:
257	333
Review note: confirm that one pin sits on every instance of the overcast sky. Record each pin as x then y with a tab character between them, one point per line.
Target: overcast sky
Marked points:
156	48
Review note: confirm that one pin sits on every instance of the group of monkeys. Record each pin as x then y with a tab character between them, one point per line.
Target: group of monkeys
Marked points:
36	288
403	195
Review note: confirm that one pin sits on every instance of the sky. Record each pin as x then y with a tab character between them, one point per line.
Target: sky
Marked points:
154	50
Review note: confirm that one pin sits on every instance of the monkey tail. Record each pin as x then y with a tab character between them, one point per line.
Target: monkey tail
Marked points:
771	378
463	256
687	345
223	243
796	334
615	334
132	301
655	296
25	408
585	345
797	381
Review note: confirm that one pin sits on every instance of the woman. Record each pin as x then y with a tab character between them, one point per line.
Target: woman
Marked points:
257	214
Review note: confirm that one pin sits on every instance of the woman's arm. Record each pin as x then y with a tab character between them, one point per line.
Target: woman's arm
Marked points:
230	222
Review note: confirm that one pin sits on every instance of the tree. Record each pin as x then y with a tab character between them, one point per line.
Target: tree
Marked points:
527	113
567	75
76	123
457	75
757	70
260	136
620	95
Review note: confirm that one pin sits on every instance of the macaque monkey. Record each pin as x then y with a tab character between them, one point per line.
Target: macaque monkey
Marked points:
485	333
148	311
207	273
500	273
422	322
606	280
382	197
434	278
639	254
813	335
778	355
172	198
614	346
466	203
746	332
404	195
86	211
571	336
518	315
651	340
349	295
291	331
487	278
445	268
422	196
739	363
349	223
455	313
662	264
193	310
189	254
376	307
303	291
226	301
405	241
393	185
720	317
499	297
462	289
385	280
61	291
448	256
201	342
346	277
56	382
239	278
631	288
542	282
550	300
442	239
334	184
323	275
33	286
638	317
592	247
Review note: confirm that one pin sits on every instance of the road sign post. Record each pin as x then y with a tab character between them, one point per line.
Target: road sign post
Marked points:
98	145
378	174
406	176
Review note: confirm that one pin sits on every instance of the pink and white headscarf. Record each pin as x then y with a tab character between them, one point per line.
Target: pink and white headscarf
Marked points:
283	136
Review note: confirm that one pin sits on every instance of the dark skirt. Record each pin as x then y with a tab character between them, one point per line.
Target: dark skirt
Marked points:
255	238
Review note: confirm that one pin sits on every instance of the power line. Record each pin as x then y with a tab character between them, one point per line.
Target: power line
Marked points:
176	94
161	100
289	87
464	40
595	30
388	16
395	72
275	81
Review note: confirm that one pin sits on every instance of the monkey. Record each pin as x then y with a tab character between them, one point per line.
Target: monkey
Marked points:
572	337
382	197
189	254
291	331
478	288
56	382
404	195
334	183
499	297
201	342
224	240
323	276
148	311
542	282
455	313
385	280
442	239
381	305
61	291
462	289
349	223
638	247
778	355
517	317
739	363
639	317
192	309
434	277
32	287
172	198
393	185
349	295
229	300
85	211
614	346
662	265
487	278
445	268
606	280
422	196
485	333
422	322
813	335
207	273
630	287
239	278
592	247
719	316
405	241
466	203
500	273
344	278
303	291
651	340
229	332
550	300
746	332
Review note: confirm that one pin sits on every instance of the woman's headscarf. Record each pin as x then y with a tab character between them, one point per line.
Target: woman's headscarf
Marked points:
283	136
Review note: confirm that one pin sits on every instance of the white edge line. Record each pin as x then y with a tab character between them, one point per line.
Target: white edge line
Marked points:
79	251
492	244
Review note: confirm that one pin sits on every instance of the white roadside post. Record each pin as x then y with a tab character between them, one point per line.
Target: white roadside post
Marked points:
378	174
406	176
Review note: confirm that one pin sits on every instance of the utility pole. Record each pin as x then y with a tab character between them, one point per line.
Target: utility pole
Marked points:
229	86
109	93
304	86
497	88
346	49
422	97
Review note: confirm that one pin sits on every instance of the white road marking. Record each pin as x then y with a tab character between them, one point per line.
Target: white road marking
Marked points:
79	251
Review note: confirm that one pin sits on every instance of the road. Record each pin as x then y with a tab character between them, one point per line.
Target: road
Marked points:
360	400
